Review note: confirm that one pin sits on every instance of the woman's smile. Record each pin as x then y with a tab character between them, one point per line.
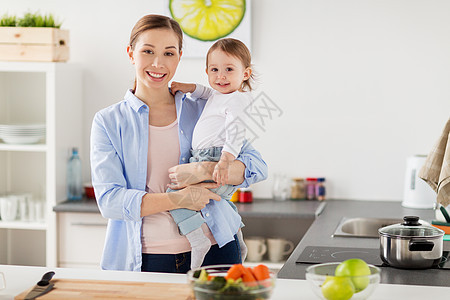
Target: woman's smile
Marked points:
156	76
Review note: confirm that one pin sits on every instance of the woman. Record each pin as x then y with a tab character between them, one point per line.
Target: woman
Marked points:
136	141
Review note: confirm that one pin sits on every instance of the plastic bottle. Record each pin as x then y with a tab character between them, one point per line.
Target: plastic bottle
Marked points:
320	189
311	188
74	181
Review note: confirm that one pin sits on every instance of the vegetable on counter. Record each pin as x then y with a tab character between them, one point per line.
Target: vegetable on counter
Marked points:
237	282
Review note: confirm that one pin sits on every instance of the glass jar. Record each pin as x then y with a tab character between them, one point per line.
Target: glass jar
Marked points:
245	195
235	197
311	188
298	190
320	189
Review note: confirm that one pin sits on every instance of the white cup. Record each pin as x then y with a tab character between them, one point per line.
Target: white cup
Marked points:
39	212
278	248
8	207
2	281
24	200
256	247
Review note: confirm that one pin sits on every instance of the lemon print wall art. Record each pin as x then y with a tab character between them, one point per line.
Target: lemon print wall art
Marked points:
206	21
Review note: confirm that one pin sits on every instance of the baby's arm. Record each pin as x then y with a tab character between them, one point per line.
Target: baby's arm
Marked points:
220	174
183	87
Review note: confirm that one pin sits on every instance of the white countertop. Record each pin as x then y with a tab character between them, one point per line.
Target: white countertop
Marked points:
20	278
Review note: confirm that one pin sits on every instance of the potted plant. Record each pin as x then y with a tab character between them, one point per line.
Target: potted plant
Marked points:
34	37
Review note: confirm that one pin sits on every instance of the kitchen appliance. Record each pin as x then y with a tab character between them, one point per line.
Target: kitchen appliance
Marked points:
417	193
411	245
324	254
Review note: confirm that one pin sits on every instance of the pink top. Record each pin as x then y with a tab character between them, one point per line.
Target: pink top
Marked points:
159	232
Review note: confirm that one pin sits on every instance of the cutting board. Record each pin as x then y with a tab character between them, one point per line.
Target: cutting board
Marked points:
102	289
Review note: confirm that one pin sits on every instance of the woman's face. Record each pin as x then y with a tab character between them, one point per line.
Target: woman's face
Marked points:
156	55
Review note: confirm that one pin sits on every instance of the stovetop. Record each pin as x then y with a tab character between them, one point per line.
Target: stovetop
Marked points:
319	254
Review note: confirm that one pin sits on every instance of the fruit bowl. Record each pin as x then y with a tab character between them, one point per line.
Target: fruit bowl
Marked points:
219	288
326	285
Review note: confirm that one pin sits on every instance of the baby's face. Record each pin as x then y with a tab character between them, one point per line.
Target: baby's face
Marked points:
225	72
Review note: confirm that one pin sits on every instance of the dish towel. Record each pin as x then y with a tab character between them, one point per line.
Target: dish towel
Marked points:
436	169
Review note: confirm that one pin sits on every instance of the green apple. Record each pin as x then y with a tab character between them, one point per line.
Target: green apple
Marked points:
337	288
355	267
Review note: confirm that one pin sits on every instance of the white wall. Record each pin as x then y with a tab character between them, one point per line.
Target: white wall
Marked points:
362	84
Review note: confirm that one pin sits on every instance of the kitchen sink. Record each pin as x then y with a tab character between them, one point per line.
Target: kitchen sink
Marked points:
362	227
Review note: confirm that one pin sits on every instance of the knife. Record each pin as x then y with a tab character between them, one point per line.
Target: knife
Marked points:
42	287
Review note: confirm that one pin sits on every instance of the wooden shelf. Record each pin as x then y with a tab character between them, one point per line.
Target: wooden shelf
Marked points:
26	148
23	225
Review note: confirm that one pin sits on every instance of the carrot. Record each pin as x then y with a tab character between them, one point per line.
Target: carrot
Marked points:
261	272
211	277
235	272
248	277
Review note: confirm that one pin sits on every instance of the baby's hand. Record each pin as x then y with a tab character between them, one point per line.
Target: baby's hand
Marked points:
183	87
220	174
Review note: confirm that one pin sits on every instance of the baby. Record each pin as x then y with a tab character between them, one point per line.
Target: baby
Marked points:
219	133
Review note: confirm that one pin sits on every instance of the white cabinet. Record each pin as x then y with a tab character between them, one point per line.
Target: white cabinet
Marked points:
48	93
81	238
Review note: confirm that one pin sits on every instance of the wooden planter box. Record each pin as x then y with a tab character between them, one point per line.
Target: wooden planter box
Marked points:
34	44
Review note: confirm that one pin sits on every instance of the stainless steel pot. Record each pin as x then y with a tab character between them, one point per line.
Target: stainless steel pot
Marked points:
411	245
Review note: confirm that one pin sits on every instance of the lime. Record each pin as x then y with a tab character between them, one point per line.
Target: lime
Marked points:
357	270
337	288
207	20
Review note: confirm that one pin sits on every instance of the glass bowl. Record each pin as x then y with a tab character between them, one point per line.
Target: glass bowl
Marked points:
212	290
341	287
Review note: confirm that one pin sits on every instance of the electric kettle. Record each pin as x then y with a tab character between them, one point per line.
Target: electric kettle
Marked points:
417	193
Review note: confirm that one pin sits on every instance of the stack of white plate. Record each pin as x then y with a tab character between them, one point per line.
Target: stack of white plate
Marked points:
22	134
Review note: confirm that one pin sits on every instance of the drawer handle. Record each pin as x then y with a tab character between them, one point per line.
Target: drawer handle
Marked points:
88	224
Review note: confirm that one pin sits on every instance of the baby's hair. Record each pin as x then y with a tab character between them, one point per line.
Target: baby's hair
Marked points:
237	49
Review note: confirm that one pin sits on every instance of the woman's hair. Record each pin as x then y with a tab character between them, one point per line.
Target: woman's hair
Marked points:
237	49
155	22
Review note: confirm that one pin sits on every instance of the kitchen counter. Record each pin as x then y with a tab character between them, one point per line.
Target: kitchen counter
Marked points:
321	231
20	278
83	206
259	208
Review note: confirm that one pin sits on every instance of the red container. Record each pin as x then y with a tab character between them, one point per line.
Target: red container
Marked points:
245	196
89	191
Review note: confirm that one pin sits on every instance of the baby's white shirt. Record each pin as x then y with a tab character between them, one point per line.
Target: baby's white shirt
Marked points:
223	121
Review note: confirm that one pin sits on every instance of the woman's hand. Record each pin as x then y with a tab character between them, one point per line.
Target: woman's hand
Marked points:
183	87
194	197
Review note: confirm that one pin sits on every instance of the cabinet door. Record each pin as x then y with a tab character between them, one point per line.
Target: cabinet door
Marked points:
81	239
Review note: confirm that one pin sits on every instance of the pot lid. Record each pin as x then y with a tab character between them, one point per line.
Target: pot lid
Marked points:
411	227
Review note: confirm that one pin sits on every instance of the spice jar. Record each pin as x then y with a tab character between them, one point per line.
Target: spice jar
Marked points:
298	190
235	197
245	195
311	188
320	189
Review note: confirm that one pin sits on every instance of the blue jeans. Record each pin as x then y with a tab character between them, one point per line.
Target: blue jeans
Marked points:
181	263
189	220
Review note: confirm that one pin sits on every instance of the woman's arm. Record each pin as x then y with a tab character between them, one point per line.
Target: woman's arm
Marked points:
248	168
194	197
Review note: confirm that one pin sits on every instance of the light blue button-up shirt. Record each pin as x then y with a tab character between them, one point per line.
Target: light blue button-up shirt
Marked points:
119	146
